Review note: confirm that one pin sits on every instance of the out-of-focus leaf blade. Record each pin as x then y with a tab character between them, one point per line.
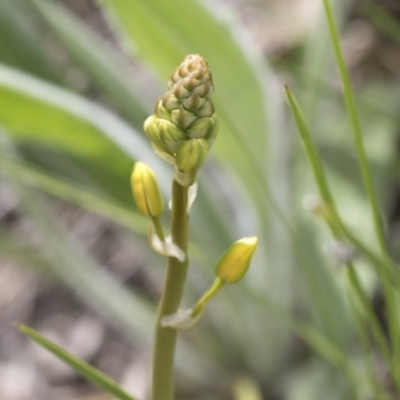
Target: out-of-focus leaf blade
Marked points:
20	43
317	56
32	176
47	119
81	367
11	249
383	20
104	66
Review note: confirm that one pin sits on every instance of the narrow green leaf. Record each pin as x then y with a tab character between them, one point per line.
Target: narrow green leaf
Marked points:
334	221
348	94
79	366
309	147
356	126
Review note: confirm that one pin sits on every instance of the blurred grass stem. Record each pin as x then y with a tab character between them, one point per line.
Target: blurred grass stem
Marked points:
334	221
391	308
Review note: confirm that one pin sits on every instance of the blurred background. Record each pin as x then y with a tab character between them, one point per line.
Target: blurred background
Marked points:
77	80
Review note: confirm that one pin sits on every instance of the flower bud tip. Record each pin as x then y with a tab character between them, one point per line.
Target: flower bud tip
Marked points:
235	262
145	190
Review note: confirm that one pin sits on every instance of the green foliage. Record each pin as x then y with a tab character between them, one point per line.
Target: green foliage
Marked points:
91	374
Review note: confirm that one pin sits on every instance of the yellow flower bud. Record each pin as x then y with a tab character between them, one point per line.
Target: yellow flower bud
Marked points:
183	113
193	102
151	128
161	112
170	102
191	156
206	110
236	260
171	136
146	191
205	128
182	118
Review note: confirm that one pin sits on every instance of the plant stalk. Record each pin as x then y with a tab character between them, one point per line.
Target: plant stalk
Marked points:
165	338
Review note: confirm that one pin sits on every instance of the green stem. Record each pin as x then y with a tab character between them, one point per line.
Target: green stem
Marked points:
165	338
211	292
158	227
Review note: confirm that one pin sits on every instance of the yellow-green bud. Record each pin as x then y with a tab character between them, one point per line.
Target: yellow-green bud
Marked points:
160	111
193	102
205	128
182	118
191	83
170	135
153	133
236	260
146	191
206	110
170	102
191	156
184	113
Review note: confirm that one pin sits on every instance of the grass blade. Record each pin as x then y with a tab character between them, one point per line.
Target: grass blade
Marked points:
333	219
369	186
356	126
81	367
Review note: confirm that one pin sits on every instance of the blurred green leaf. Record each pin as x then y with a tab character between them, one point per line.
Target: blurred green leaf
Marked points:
21	45
75	131
30	175
104	66
11	249
79	366
317	57
386	22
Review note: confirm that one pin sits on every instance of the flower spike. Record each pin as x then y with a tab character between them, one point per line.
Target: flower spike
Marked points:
184	113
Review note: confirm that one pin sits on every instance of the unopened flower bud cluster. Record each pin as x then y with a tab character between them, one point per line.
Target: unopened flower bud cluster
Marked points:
184	126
